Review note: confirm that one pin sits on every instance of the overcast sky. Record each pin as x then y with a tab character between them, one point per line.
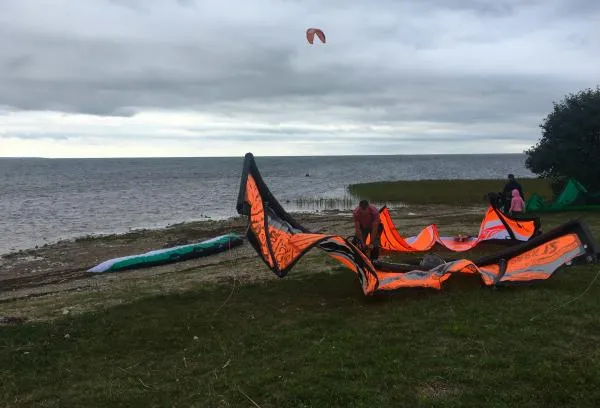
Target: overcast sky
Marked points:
106	78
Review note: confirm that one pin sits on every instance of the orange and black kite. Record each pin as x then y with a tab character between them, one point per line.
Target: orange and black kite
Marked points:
495	227
281	242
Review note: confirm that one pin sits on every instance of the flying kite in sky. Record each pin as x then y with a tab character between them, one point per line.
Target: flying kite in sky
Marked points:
310	35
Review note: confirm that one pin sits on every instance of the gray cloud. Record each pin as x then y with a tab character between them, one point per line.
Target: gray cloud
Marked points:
460	62
46	135
368	134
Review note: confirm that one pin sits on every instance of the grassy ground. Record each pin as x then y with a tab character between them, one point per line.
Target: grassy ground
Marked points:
313	340
316	342
457	192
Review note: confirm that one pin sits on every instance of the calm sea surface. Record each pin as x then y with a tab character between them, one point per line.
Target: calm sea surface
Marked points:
44	200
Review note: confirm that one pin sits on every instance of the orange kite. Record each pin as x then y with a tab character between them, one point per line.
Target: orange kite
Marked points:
495	227
281	242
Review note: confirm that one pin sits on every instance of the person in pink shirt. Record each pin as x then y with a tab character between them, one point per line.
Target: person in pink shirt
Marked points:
517	205
366	221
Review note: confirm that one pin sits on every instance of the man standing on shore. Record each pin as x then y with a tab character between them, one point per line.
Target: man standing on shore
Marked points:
366	221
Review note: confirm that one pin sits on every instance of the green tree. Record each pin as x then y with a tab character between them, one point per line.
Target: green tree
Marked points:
570	142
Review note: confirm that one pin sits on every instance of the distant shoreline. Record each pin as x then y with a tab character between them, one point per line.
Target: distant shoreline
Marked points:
257	156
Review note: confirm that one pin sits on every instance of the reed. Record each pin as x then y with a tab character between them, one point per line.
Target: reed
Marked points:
450	192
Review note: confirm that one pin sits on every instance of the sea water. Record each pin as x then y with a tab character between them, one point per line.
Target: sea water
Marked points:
44	200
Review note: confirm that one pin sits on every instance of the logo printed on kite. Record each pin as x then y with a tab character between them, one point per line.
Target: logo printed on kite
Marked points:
310	35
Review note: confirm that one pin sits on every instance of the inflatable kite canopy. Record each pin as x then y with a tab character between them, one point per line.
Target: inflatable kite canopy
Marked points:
495	227
169	255
281	242
573	197
311	32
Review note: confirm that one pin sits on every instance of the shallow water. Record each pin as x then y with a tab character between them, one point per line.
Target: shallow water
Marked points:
44	200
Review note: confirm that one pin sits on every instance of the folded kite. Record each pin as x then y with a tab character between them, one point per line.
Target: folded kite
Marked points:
281	242
496	227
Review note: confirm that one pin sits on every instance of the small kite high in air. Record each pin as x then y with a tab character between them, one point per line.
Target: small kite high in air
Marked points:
310	35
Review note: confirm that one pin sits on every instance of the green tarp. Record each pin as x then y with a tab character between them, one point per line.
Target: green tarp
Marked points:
574	196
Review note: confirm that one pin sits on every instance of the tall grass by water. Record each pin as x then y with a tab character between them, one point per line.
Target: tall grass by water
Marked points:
452	192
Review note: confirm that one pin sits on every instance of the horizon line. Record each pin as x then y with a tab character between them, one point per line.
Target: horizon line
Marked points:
259	155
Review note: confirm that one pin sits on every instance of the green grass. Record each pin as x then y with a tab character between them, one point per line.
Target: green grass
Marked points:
317	342
452	192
